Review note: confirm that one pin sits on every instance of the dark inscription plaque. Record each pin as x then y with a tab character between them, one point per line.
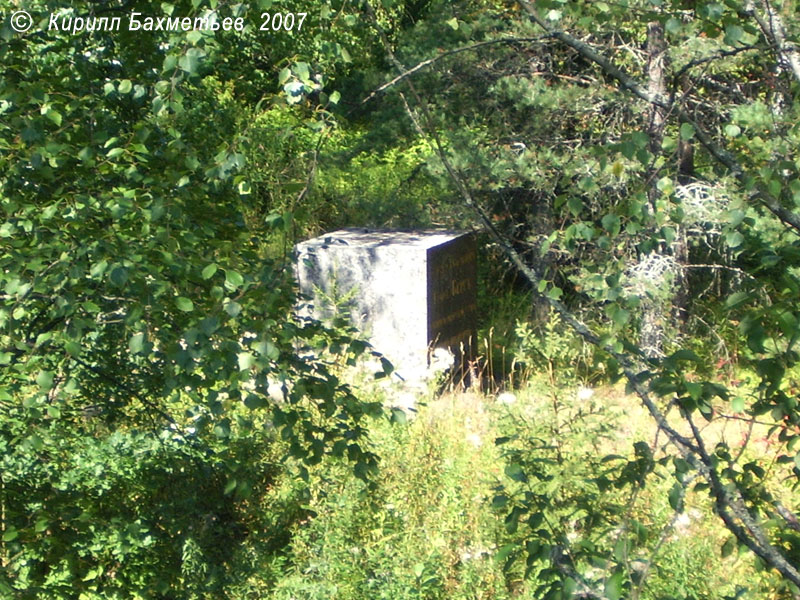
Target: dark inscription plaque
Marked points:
452	294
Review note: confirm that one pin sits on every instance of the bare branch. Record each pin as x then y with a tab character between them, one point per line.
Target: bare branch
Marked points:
791	519
716	56
773	30
425	63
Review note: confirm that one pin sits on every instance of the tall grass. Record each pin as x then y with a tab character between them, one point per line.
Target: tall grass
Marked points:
430	526
426	529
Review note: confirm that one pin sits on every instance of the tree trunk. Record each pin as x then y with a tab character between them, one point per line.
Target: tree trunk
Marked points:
681	244
655	309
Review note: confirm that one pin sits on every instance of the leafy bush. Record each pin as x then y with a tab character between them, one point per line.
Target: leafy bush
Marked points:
129	514
146	319
556	350
587	514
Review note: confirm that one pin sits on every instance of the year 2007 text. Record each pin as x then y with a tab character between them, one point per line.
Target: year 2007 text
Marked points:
282	21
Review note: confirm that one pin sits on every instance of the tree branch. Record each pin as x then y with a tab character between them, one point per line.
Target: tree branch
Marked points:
731	506
773	30
627	82
419	66
693	451
707	59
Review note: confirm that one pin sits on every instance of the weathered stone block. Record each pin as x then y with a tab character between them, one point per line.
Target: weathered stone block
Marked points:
407	292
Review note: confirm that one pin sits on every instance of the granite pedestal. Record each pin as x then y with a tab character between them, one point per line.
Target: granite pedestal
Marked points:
407	292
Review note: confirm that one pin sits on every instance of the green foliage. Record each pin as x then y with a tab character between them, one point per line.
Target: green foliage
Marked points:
423	531
497	337
556	350
587	512
144	326
132	514
151	185
643	209
390	189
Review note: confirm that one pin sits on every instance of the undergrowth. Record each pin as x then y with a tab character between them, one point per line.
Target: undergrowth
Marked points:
435	522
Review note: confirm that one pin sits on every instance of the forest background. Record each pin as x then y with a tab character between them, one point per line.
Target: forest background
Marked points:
170	431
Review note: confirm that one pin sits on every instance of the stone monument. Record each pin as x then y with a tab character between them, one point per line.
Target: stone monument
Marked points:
408	292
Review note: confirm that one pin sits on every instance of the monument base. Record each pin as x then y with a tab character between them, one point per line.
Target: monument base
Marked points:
407	292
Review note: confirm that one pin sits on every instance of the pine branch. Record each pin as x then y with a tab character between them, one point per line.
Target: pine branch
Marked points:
760	194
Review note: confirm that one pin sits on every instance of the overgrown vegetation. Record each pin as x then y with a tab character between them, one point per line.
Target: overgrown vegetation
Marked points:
169	428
